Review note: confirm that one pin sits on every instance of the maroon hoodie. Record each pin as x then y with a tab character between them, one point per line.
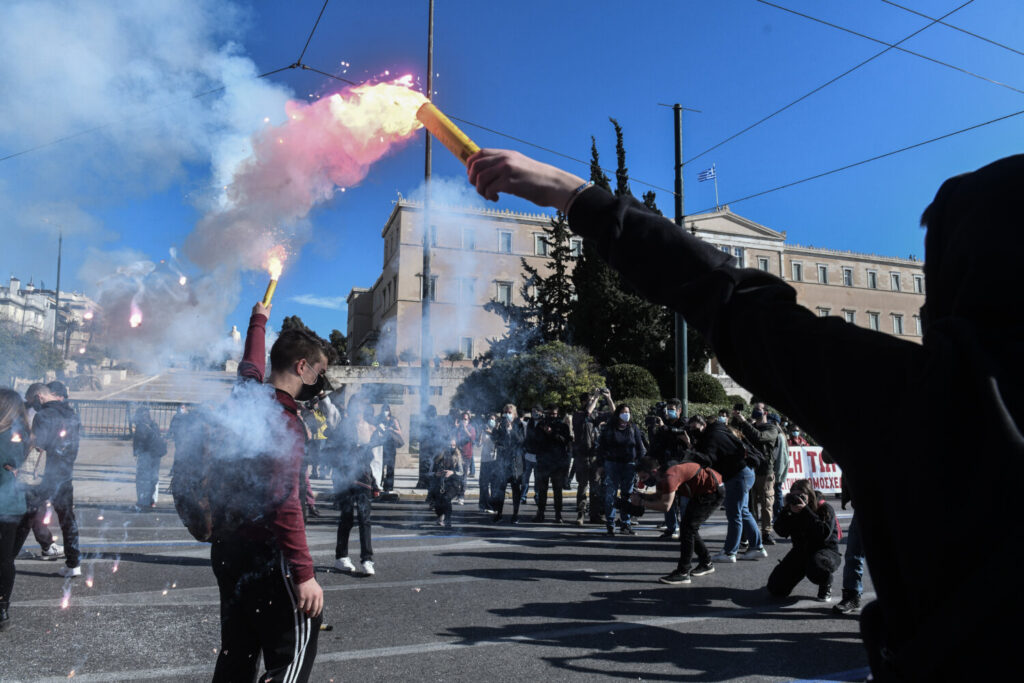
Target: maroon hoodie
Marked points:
285	525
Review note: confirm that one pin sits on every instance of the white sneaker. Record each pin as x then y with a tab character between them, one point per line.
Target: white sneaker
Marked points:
754	554
344	564
368	568
53	552
724	557
68	572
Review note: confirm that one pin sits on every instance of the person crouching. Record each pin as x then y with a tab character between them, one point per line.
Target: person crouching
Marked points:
446	484
811	523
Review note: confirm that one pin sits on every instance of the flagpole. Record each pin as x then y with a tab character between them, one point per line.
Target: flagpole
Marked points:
714	173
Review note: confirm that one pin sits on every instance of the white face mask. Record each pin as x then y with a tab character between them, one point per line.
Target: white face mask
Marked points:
491	423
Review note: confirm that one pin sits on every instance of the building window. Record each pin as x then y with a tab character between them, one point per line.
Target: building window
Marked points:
540	244
873	321
762	263
850	316
738	253
433	287
822	274
466	346
824	312
848	277
467	287
872	280
505	241
897	324
919	284
798	272
917	325
503	293
468	238
894	278
576	247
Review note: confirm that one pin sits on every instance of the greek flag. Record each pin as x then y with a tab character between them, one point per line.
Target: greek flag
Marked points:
706	175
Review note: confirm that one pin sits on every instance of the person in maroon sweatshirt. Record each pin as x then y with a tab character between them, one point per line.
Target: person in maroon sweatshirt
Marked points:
270	601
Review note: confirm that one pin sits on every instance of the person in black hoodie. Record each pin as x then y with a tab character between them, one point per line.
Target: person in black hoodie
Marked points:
56	430
826	374
509	435
619	447
552	439
811	523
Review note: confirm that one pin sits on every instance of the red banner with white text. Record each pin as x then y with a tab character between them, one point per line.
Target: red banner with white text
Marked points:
805	463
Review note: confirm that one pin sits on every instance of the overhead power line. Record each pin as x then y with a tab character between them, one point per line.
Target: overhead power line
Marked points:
869	160
956	28
882	42
306	46
823	85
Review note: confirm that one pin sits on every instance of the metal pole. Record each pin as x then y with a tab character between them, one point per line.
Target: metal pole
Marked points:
681	355
426	345
56	309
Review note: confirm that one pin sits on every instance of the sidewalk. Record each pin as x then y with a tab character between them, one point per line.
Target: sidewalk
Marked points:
105	473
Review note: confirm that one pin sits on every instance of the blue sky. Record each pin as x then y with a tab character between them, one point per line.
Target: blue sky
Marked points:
547	72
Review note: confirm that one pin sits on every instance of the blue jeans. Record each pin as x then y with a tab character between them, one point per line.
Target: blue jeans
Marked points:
528	468
737	512
618	477
853	567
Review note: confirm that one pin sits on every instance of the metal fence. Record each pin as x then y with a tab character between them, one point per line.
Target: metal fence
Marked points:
113	419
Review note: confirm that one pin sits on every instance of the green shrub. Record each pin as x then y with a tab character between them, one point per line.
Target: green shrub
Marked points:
733	399
632	380
703	388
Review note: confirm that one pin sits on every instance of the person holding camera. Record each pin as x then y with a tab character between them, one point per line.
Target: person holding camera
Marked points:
551	440
705	491
811	523
620	446
589	497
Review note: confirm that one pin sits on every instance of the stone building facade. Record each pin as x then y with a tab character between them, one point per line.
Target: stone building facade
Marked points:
476	258
31	309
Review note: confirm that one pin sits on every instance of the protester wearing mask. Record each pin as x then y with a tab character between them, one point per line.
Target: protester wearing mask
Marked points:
796	438
509	436
620	446
552	448
14	443
447	484
530	420
811	523
764	435
393	440
488	455
56	430
465	437
589	491
671	445
703	488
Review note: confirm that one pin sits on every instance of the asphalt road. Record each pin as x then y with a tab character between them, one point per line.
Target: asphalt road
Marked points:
477	603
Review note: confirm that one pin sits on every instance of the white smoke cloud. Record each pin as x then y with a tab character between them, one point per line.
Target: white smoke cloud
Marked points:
336	303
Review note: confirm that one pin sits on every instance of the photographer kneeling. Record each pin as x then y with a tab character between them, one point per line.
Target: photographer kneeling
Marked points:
703	486
811	523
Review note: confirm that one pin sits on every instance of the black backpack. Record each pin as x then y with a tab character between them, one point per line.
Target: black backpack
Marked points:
222	477
756	459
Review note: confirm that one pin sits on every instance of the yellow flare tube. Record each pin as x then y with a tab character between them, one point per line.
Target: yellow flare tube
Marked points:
270	292
442	128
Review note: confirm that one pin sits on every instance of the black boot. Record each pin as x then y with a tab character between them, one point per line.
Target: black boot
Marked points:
849	603
5	619
825	591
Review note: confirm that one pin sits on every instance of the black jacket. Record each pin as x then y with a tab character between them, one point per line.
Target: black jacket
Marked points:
724	451
56	429
508	440
811	531
621	445
551	439
827	375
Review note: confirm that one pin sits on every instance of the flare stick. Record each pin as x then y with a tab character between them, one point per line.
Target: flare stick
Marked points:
270	291
442	128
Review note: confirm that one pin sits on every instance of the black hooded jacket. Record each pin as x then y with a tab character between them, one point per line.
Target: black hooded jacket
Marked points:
831	377
56	429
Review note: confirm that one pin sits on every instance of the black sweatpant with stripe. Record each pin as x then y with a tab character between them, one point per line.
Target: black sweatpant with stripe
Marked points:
259	615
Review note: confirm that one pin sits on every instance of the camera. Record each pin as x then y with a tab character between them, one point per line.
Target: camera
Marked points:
795	499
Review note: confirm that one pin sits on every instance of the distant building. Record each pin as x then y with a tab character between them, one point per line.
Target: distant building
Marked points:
31	309
475	258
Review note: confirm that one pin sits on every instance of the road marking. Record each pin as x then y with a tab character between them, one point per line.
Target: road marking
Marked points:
542	637
199	596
